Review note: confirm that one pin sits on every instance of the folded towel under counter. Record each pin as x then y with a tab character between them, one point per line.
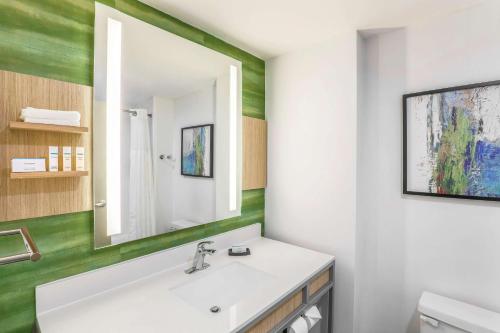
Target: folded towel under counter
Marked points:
54	117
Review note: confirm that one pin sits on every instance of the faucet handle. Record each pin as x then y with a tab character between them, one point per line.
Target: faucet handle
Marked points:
201	245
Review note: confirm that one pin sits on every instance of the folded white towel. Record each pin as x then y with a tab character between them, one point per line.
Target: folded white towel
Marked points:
52	121
30	112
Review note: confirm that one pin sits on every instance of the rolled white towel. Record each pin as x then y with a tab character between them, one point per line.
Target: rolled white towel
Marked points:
312	316
30	112
52	121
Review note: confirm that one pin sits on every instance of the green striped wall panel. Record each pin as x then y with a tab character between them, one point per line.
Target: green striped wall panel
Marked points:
54	39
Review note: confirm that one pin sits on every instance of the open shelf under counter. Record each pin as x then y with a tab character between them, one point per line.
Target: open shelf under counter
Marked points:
20	125
47	174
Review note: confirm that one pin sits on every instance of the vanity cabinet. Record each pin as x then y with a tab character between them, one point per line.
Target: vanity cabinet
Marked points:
286	308
316	291
261	293
318	282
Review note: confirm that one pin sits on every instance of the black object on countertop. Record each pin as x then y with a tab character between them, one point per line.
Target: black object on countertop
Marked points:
230	252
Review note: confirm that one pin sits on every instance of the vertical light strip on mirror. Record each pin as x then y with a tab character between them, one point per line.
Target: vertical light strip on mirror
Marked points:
233	140
113	127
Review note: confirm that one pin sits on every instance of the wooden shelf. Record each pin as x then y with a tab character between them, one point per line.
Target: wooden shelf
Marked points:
20	125
46	174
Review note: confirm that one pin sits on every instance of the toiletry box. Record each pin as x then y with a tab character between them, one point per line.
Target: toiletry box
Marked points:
28	164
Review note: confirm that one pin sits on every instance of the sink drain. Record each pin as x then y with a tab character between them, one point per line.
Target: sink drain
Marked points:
215	309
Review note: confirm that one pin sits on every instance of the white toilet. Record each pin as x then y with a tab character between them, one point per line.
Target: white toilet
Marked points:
440	314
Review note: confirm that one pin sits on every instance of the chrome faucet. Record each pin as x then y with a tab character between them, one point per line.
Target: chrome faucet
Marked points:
199	257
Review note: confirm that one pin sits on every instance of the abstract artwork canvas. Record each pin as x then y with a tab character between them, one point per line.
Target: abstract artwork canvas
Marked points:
452	142
197	151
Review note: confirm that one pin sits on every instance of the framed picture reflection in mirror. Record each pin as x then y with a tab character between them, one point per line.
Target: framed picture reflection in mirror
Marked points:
197	144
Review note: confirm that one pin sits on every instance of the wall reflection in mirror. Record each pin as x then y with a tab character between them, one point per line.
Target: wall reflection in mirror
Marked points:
167	131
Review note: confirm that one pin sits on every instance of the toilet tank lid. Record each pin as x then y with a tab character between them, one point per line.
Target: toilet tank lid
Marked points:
461	315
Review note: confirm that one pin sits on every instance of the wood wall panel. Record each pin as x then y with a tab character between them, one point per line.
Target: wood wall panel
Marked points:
254	153
27	198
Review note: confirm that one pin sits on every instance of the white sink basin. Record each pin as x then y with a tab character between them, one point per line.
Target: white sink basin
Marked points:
222	287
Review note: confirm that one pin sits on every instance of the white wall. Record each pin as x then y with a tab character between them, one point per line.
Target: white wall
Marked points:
163	143
209	105
404	244
407	244
194	197
310	197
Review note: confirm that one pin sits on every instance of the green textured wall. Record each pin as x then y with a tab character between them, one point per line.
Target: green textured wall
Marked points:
54	39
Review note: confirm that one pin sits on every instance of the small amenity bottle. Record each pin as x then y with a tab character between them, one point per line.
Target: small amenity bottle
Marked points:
80	159
53	158
67	158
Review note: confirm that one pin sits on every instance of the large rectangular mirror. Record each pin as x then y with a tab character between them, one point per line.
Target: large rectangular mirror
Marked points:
167	131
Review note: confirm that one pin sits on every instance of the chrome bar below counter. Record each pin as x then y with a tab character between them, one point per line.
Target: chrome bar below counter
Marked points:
32	252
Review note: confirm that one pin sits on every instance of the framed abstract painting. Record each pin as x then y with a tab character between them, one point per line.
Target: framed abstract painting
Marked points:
451	142
197	143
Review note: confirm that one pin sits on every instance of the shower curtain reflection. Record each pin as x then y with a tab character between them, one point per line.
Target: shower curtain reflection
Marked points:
140	220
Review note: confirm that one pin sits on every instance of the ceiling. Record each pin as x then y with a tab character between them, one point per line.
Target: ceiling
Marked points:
268	28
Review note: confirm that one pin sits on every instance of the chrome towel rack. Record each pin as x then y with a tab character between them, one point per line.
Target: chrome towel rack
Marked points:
32	252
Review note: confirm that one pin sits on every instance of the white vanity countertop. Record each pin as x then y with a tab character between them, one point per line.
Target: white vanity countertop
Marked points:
148	304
